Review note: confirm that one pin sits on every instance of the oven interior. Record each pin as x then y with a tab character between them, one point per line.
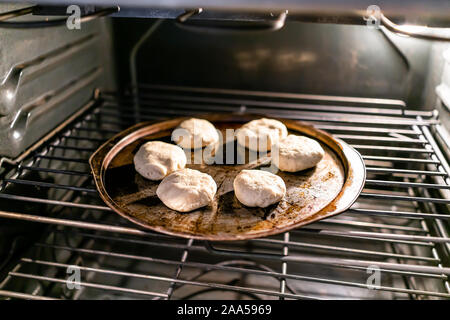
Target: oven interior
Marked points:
64	92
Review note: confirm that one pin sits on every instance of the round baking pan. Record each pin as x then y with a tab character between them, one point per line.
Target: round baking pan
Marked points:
313	194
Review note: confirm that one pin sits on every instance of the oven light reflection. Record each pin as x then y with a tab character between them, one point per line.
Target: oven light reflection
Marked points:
9	94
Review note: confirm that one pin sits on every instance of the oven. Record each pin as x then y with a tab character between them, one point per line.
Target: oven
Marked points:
74	76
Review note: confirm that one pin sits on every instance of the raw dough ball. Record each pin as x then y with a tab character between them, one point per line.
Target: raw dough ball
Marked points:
197	133
156	159
258	188
262	131
186	190
296	153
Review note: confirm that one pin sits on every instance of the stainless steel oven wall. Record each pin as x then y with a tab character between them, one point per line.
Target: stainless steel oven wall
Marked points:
47	74
313	58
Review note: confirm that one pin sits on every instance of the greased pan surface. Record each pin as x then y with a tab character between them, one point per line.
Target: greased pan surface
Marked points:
314	194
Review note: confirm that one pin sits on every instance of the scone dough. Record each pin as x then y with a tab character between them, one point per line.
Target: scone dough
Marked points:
258	188
296	153
195	133
186	190
156	159
261	134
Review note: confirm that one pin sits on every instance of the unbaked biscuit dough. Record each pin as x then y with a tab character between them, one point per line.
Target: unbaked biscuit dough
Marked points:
258	188
186	190
296	153
156	159
195	133
261	134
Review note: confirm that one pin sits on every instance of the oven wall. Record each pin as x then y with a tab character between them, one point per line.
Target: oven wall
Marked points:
63	69
313	58
46	74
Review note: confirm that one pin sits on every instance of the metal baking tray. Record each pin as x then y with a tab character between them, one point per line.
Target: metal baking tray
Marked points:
328	189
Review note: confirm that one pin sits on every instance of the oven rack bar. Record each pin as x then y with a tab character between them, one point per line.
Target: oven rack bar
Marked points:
418	273
375	236
82	135
216	267
180	265
368	181
160	111
265	95
155	241
87	284
18	295
411	215
206	266
230	105
94	191
197	283
145	276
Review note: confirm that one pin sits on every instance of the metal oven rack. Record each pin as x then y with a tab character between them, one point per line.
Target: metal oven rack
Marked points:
398	225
